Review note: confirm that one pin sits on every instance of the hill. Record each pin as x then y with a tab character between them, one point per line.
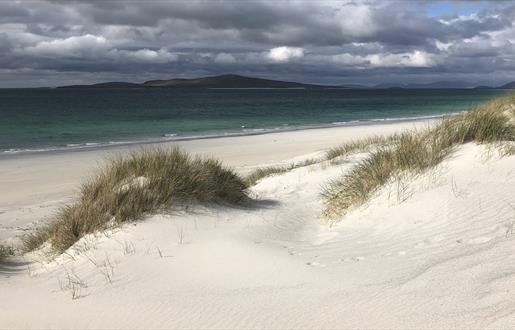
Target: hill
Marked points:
223	81
111	84
510	85
228	81
433	85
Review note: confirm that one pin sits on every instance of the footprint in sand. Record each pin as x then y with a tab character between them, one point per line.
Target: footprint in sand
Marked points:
315	264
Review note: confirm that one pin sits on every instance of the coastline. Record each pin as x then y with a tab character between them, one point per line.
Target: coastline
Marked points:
421	255
35	184
170	138
421	252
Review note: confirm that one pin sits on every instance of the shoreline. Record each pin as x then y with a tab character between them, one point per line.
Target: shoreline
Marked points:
39	183
91	146
424	237
437	243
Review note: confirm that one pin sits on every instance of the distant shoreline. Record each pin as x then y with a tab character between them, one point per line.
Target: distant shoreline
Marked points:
48	178
92	146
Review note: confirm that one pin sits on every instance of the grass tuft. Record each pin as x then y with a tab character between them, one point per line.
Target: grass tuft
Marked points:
507	149
141	183
357	146
5	252
415	152
264	172
260	173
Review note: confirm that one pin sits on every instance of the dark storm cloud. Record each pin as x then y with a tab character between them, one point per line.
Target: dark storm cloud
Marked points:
57	42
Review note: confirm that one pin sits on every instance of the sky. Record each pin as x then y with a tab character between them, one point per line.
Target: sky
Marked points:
62	42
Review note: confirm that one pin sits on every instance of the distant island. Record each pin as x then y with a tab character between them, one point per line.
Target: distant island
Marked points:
442	85
222	81
238	81
432	85
510	85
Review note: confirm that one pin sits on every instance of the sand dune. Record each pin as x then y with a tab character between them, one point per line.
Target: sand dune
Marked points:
434	251
35	184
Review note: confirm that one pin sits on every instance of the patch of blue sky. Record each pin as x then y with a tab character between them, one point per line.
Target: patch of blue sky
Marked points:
438	8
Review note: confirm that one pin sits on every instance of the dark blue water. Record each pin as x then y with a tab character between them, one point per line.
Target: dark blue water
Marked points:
39	119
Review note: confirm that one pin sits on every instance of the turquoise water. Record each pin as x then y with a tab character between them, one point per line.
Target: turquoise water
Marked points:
48	119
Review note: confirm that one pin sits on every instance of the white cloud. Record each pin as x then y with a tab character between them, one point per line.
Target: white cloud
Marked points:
72	46
356	20
285	53
225	58
144	55
97	47
442	45
19	33
414	59
386	60
348	59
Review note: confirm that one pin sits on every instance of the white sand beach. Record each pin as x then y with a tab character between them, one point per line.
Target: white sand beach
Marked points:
35	184
257	164
435	252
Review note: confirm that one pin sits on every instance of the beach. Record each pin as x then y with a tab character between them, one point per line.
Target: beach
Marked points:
259	164
432	252
36	183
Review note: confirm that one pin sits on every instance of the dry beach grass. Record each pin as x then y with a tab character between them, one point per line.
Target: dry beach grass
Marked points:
153	180
441	258
5	252
415	152
141	183
263	172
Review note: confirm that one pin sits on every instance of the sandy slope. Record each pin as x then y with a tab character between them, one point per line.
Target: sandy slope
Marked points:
434	253
32	186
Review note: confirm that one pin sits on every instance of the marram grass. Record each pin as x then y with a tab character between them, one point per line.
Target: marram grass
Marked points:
141	183
263	172
5	252
357	146
417	151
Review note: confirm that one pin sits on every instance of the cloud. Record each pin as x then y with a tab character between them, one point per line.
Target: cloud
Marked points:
96	48
328	41
144	55
416	59
224	58
285	53
72	46
356	20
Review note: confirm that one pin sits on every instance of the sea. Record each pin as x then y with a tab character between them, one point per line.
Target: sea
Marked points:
39	120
